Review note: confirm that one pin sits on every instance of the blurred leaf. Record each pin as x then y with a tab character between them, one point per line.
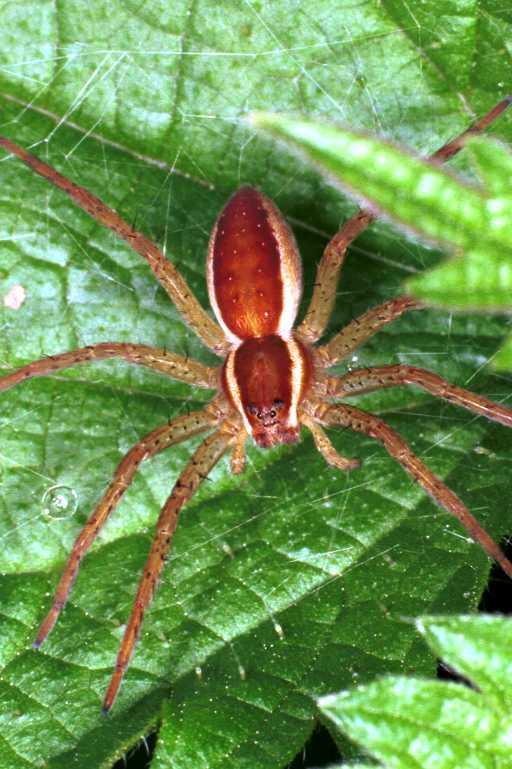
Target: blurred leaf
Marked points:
292	580
503	358
428	200
404	721
425	198
413	191
494	165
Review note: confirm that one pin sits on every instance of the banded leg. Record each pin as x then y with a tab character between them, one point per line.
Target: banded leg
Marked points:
324	294
368	424
164	270
175	431
327	274
375	378
238	457
204	459
325	447
161	360
362	328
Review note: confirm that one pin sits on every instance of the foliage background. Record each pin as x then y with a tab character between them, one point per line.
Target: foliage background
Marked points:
299	576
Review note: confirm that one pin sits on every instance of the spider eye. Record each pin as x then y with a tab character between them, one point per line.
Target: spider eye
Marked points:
252	409
273	413
278	404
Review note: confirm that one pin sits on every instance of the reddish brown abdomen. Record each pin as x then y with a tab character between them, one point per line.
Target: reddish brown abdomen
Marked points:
254	278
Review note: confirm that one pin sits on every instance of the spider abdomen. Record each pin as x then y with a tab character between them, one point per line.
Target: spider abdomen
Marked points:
265	379
254	270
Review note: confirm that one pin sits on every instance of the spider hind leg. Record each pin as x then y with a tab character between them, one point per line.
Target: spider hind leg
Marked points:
322	302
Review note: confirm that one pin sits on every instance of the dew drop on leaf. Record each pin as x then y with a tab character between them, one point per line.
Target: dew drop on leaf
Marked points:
60	502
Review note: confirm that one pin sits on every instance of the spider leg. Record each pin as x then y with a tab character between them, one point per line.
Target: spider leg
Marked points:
174	432
451	148
161	360
204	459
325	447
375	378
362	328
327	274
324	293
164	270
238	450
368	424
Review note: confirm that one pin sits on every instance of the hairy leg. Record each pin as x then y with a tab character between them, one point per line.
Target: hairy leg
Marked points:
174	366
164	270
375	378
327	274
324	294
362	328
368	424
325	447
204	459
174	432
238	451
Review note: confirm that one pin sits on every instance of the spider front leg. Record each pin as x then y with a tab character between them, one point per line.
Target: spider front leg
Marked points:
174	432
368	424
375	378
160	360
238	457
204	459
314	324
325	447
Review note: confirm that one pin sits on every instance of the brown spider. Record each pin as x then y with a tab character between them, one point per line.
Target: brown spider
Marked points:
273	380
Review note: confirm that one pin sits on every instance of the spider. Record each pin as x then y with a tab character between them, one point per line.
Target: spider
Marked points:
273	380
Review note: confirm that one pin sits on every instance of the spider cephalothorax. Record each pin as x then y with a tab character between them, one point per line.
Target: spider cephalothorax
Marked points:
266	379
273	380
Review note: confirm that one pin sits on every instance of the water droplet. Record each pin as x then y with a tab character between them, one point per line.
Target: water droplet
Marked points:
60	502
279	630
228	550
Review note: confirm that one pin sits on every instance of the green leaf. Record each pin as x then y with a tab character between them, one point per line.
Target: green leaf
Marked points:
427	200
494	164
502	361
415	192
292	580
401	720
